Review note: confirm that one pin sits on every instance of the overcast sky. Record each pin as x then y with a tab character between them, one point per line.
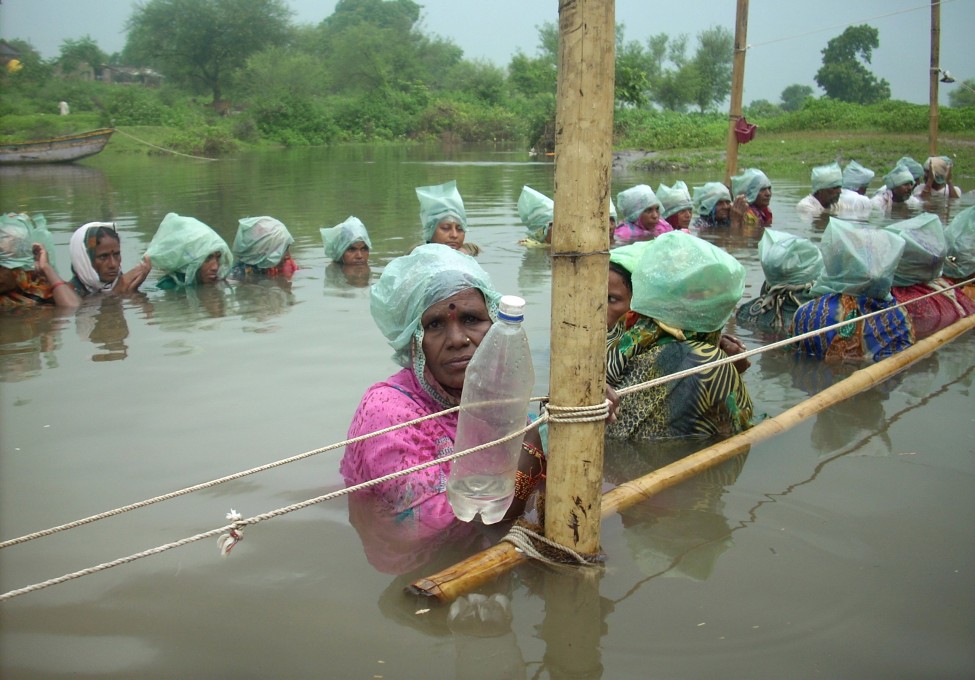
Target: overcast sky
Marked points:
786	36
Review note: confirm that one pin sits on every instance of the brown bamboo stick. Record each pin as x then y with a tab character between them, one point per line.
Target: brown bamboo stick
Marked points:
737	86
933	76
580	262
467	575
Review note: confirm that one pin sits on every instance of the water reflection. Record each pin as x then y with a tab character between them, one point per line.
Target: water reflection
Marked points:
101	321
29	340
340	278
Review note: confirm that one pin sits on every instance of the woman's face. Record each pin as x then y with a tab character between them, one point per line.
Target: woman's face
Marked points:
107	259
650	217
209	269
683	218
356	254
722	210
452	330
449	233
618	302
763	198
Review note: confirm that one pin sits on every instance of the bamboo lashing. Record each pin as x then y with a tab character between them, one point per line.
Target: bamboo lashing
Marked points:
467	575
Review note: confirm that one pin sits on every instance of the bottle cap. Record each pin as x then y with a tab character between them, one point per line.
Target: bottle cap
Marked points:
511	308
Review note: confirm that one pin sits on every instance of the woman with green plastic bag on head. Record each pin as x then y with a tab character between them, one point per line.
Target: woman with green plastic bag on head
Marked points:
791	264
858	271
189	252
348	246
443	217
684	291
756	187
677	207
537	212
714	207
262	249
28	275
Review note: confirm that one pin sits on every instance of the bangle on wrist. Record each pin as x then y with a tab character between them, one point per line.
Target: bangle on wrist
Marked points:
54	286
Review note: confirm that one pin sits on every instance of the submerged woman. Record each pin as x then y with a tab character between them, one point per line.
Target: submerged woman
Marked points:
96	262
640	208
756	187
684	291
348	245
537	212
677	207
189	252
443	217
858	270
918	274
714	208
434	306
262	248
27	276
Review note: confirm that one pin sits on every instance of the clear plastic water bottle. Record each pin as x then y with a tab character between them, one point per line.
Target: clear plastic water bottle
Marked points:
497	386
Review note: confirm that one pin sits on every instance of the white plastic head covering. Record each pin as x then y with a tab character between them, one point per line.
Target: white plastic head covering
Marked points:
81	247
182	244
960	235
915	168
789	259
16	242
261	241
440	202
536	211
749	182
708	195
685	282
826	177
938	167
635	200
337	239
855	176
410	284
925	249
612	208
674	199
898	176
858	260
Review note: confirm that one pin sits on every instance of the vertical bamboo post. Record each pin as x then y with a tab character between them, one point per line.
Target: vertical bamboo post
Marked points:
737	85
935	72
580	262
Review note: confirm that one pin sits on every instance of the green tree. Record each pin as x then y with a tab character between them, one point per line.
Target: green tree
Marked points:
762	108
77	54
531	76
712	66
204	42
963	94
844	75
794	95
673	87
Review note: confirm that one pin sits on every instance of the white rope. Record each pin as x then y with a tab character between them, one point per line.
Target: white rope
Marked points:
161	148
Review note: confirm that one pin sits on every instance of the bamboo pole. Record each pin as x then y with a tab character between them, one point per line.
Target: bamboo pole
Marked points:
935	72
486	565
737	85
580	262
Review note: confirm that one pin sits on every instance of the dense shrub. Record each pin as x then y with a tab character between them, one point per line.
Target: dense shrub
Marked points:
647	129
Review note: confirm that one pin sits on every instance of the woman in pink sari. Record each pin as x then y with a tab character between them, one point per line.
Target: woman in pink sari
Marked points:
434	306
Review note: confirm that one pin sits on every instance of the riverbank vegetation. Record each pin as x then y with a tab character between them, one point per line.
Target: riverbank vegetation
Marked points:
367	73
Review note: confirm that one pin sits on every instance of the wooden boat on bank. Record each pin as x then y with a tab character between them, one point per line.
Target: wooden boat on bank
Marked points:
63	149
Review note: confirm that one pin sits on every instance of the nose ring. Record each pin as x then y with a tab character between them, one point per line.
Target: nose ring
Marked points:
467	341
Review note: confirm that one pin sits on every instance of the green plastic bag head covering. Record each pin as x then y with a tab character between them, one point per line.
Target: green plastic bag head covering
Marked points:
629	255
708	195
916	169
612	208
182	244
938	167
337	239
925	249
855	176
438	203
536	211
674	199
410	284
789	259
635	200
18	234
858	260
826	177
960	235
687	283
898	176
261	241
750	182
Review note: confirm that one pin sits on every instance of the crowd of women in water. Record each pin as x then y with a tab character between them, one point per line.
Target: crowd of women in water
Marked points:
670	296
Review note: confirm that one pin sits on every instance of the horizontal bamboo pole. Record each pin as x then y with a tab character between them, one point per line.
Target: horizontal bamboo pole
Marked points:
467	575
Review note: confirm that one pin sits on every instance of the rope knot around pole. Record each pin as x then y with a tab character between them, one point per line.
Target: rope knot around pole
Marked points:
235	535
528	539
578	414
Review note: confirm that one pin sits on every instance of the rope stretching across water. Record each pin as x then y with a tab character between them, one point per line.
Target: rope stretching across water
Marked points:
550	413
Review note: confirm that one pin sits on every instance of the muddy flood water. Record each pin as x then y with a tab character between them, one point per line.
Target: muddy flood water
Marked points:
842	548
